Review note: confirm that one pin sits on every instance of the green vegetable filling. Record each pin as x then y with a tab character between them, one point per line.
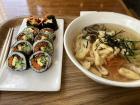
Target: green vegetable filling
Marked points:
44	60
26	48
19	64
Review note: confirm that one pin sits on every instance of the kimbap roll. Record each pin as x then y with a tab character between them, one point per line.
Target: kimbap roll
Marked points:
49	32
32	30
34	21
17	61
44	46
42	37
23	47
46	30
40	61
26	37
50	22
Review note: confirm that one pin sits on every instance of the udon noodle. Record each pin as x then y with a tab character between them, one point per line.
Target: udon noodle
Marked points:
109	51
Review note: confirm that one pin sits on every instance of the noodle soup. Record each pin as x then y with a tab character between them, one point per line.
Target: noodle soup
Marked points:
110	51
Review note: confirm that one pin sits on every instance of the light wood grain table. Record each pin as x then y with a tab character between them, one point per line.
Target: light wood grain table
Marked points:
76	88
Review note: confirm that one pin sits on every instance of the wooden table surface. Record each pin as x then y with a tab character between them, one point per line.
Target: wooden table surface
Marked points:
76	88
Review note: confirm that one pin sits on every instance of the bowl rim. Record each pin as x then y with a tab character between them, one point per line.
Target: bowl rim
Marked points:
135	83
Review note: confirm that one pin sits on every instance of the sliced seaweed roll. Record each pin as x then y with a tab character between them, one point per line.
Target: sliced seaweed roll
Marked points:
46	30
22	46
32	30
50	22
34	21
17	61
49	32
26	37
42	37
40	61
44	46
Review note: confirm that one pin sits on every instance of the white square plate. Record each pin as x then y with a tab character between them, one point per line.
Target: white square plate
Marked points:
29	80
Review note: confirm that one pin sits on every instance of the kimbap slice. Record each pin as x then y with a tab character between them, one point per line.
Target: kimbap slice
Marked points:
17	61
40	61
22	46
50	22
46	31
34	21
43	45
42	37
49	32
26	37
32	30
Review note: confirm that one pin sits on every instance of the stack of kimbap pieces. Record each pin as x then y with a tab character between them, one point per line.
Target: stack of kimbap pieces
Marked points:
34	46
50	22
34	21
46	22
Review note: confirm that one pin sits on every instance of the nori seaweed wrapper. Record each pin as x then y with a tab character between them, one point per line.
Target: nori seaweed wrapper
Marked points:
35	22
53	25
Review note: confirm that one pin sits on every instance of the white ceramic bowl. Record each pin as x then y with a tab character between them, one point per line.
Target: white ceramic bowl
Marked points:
92	18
